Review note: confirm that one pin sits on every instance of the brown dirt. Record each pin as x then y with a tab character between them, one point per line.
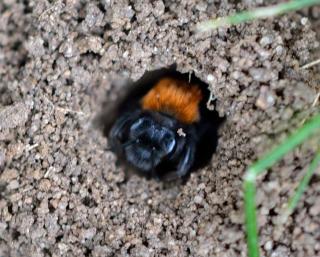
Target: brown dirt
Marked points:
61	191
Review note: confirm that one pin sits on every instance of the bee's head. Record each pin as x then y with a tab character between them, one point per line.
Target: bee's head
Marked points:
149	141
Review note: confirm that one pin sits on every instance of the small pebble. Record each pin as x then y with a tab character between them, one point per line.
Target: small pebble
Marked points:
266	98
268	246
210	78
304	21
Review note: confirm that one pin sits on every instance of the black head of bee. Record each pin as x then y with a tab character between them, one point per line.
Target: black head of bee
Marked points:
150	141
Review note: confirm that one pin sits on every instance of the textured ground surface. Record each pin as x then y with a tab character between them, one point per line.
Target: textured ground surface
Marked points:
61	193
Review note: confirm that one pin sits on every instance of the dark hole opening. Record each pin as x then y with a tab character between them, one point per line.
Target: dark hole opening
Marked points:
10	208
206	128
130	248
59	238
15	234
46	252
51	208
145	242
89	201
87	252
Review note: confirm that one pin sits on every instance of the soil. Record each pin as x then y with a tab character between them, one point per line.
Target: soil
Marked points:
62	193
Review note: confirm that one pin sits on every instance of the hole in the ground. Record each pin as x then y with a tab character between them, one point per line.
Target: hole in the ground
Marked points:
161	125
145	243
15	234
130	248
87	252
27	8
10	208
59	238
81	178
46	252
89	201
51	208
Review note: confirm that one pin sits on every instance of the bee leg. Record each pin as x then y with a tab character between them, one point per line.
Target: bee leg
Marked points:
154	173
117	131
186	162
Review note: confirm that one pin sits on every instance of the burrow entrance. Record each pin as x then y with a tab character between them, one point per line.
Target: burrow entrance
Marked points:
129	99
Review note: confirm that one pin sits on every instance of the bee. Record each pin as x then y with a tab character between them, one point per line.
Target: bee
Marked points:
165	130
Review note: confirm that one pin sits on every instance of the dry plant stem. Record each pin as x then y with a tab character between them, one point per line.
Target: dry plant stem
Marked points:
260	166
309	65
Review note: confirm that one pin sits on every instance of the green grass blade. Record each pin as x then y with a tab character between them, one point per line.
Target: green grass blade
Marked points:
303	184
258	13
251	217
261	165
289	144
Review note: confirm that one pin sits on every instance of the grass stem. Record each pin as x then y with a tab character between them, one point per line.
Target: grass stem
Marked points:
258	13
303	184
261	165
289	144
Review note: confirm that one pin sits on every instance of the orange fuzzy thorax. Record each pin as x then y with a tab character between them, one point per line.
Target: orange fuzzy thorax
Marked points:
176	98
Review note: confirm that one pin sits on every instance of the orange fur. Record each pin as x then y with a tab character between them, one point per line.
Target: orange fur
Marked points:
174	97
